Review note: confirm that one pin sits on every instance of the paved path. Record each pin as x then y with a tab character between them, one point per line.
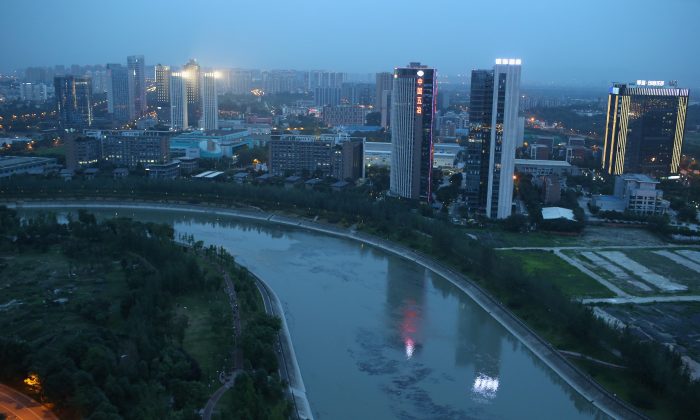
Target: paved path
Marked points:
577	379
591	248
644	299
19	406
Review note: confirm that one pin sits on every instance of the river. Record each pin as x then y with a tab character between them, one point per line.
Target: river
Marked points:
380	337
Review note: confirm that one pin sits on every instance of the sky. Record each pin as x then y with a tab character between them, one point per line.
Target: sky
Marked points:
561	42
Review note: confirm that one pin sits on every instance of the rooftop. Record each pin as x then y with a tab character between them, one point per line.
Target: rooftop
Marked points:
639	178
542	162
9	161
551	213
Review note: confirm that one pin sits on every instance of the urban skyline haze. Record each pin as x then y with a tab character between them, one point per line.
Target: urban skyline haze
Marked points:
560	43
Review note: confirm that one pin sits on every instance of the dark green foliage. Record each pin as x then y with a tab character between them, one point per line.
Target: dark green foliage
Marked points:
125	360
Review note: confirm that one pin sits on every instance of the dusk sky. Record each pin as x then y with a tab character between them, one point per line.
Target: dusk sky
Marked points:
592	42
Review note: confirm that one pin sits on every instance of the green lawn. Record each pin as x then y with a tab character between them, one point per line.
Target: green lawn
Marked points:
550	268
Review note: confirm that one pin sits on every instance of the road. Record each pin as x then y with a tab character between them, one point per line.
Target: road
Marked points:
19	406
237	353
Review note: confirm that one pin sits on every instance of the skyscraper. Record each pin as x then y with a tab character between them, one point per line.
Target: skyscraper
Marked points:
163	92
493	116
137	76
412	109
73	101
383	82
178	101
644	128
210	102
120	94
194	94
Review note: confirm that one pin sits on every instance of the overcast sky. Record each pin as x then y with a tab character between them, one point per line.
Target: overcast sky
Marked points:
560	41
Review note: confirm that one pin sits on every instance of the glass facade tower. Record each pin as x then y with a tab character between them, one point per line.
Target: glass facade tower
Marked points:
644	128
413	96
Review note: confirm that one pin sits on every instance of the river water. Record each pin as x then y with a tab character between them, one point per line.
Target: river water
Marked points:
380	337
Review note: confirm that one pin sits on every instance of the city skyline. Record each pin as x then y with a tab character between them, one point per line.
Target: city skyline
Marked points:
558	43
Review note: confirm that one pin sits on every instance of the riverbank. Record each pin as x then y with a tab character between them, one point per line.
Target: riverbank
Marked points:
578	380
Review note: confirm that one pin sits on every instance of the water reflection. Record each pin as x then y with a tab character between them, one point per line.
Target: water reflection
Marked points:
405	301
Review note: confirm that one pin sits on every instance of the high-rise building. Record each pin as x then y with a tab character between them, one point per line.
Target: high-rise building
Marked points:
412	109
137	78
493	116
192	71
178	101
73	101
162	74
210	102
241	81
120	93
327	96
383	84
644	128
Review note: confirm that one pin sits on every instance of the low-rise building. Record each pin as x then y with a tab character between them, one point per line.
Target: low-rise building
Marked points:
538	167
551	189
635	193
18	165
133	147
188	165
170	170
377	153
326	155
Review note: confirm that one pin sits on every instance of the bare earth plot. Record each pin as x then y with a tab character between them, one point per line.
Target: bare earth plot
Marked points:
679	259
617	272
643	272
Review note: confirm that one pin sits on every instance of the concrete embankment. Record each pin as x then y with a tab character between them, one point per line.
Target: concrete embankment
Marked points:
578	380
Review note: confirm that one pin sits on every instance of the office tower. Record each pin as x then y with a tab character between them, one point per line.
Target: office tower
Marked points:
383	84
327	96
162	74
412	109
73	101
120	92
137	76
493	116
192	71
178	101
210	102
644	128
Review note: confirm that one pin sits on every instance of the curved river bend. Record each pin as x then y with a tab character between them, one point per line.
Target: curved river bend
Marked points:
380	337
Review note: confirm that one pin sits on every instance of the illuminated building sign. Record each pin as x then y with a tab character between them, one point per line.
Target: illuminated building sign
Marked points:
656	83
419	93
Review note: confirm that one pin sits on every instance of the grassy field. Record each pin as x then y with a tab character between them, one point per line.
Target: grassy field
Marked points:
54	298
552	269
